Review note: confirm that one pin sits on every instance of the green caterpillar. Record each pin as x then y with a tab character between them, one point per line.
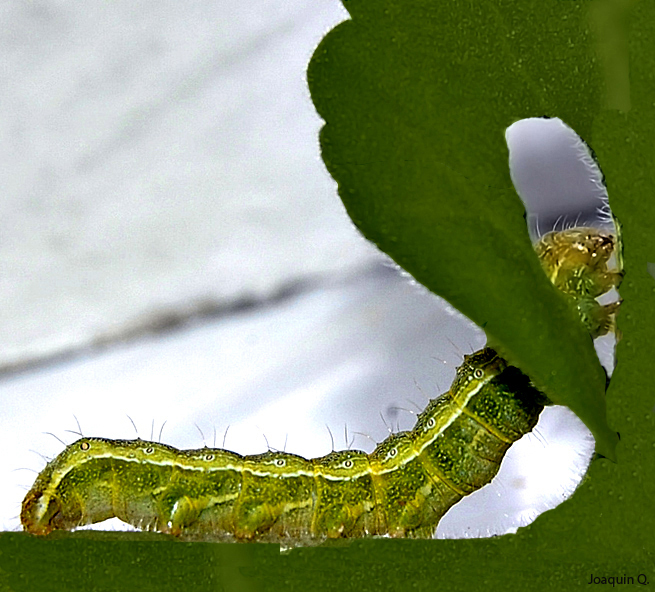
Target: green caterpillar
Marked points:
401	489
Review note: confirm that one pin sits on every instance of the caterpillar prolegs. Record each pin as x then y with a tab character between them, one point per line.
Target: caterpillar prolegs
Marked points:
401	489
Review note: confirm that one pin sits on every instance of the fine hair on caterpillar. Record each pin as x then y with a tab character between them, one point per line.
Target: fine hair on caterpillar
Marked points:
400	489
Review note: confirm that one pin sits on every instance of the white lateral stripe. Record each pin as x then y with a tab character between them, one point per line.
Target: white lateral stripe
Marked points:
58	476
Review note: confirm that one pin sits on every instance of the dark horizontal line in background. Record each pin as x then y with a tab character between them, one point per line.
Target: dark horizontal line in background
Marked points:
168	321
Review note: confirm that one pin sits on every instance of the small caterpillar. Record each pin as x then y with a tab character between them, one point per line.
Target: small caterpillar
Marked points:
401	489
576	261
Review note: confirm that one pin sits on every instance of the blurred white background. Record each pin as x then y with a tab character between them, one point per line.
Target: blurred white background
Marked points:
173	250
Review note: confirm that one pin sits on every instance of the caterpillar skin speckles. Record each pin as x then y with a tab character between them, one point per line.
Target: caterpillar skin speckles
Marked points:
401	489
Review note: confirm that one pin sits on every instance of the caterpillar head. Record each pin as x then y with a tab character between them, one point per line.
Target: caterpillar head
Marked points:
76	480
39	510
44	509
575	247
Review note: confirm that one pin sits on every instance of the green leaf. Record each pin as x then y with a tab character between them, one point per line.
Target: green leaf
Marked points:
416	96
89	561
